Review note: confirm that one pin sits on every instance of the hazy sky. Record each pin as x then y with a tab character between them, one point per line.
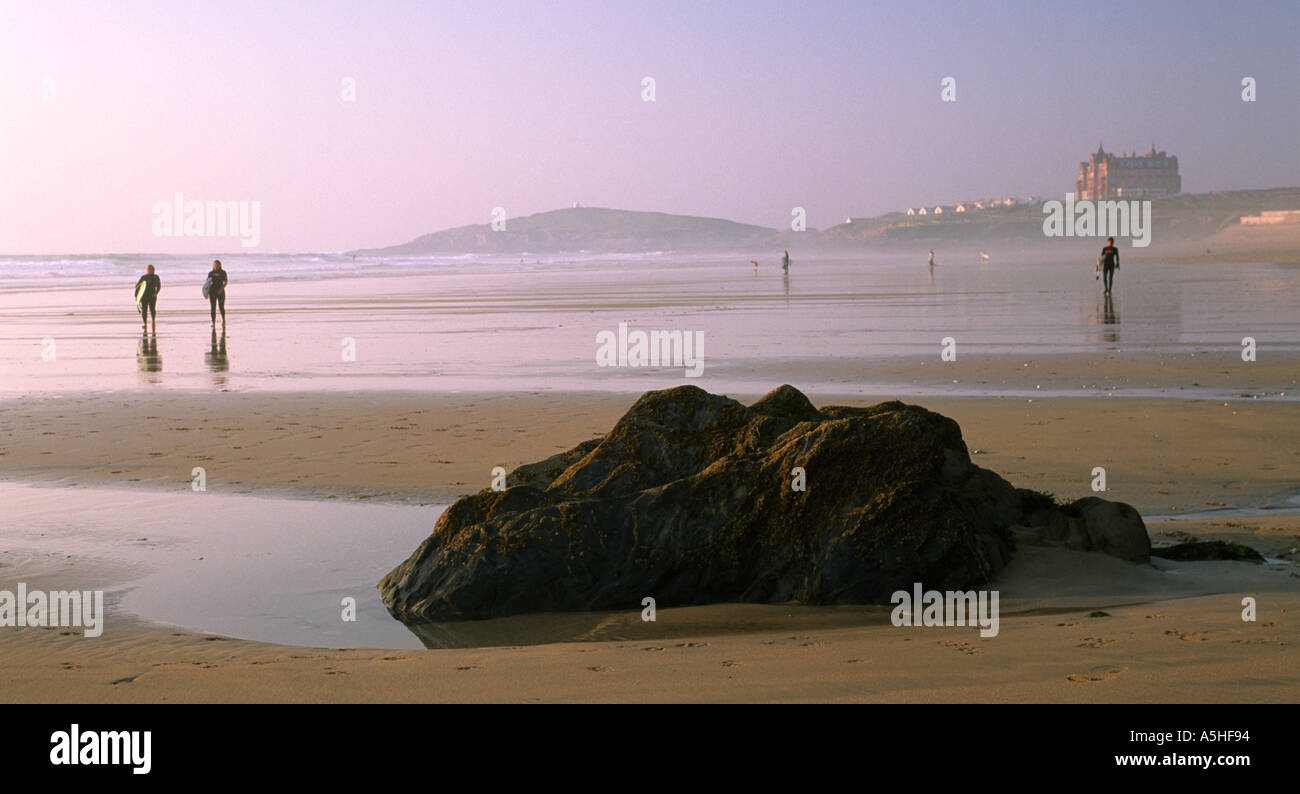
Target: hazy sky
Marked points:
530	106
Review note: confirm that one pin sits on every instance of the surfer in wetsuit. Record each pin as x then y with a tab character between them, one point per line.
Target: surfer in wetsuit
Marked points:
149	299
1109	262
217	292
785	262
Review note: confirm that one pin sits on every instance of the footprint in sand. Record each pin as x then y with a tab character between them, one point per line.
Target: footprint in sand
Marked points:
730	663
964	647
1067	624
654	648
1096	674
600	669
692	645
1095	642
468	667
1188	636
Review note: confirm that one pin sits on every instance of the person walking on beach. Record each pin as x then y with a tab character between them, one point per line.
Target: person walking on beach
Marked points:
931	257
785	262
149	298
1109	261
217	292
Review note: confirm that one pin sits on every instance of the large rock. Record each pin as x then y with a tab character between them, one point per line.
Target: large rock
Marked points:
1091	524
689	499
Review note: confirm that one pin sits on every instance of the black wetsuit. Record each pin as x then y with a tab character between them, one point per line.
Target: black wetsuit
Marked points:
1109	264
217	294
149	300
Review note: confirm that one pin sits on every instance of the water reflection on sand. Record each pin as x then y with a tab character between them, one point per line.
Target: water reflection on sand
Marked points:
516	327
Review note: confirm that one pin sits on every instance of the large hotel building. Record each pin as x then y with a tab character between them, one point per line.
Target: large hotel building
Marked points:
1109	176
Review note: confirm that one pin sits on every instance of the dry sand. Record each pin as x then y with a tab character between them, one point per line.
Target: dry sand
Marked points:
1169	637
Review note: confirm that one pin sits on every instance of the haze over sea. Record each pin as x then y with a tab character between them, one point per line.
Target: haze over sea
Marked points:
529	322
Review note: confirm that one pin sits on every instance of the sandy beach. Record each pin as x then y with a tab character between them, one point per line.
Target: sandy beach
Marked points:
1150	646
1173	632
233	594
1162	455
1195	649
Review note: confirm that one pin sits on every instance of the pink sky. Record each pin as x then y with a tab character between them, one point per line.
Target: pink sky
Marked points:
462	107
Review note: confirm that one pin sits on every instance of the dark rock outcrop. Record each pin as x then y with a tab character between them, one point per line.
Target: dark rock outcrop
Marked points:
1209	550
1091	524
689	499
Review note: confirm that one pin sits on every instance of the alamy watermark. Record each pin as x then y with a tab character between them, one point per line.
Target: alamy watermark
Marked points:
193	218
65	608
93	748
948	89
949	608
651	349
1089	218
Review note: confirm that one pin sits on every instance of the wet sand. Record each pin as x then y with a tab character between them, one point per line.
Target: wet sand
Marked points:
849	323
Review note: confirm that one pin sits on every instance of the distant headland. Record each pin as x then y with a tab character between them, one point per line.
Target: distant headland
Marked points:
1186	217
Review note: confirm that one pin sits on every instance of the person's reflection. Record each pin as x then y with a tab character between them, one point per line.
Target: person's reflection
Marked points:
785	280
932	273
215	358
146	353
1110	317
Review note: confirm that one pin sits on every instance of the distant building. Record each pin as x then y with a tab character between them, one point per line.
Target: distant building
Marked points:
938	210
911	211
961	208
1106	176
921	211
1272	216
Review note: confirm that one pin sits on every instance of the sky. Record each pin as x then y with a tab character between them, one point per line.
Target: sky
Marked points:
460	108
